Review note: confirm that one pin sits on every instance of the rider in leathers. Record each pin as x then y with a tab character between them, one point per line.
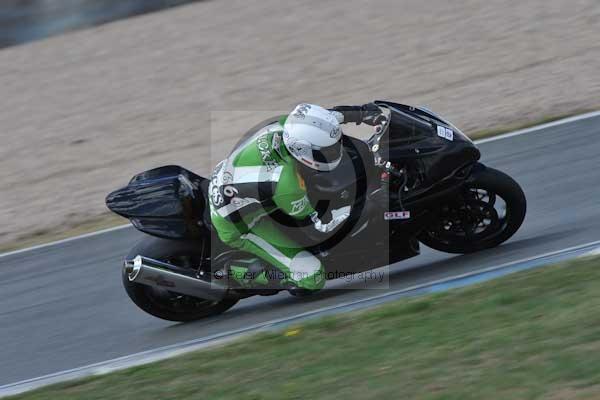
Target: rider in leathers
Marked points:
262	175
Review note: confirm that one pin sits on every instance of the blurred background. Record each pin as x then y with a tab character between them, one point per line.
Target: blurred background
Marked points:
89	97
26	20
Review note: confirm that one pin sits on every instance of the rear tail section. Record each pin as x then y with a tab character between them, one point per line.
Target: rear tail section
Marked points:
167	202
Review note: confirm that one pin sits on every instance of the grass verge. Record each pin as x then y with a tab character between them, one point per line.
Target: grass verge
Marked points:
530	335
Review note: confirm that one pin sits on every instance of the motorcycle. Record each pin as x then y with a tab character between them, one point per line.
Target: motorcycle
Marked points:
417	179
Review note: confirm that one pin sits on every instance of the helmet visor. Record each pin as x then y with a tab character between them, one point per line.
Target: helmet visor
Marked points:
328	155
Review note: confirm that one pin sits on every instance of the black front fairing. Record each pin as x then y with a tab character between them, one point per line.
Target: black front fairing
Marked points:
167	202
413	141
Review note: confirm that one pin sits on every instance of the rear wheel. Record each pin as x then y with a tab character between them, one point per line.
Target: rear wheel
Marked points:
489	210
162	303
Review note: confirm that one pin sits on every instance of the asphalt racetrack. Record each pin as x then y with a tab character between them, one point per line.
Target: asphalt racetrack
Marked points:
63	306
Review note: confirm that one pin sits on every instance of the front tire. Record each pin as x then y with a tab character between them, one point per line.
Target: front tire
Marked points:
475	221
160	302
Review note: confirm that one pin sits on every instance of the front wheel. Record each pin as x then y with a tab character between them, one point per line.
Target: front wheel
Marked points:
489	209
162	303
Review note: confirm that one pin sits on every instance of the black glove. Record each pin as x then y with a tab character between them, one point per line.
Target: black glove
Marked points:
368	113
350	113
371	114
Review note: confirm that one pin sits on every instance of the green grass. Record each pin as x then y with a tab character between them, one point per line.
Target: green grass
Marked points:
531	335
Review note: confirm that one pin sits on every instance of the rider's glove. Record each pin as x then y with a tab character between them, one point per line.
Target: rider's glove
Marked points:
368	113
339	216
346	114
371	114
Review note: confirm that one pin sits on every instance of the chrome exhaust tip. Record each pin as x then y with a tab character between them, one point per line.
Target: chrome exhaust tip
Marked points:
130	267
150	272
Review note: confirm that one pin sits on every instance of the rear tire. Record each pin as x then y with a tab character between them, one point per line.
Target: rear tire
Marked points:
481	193
162	303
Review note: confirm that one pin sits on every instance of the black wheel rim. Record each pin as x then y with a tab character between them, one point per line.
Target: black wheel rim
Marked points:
477	215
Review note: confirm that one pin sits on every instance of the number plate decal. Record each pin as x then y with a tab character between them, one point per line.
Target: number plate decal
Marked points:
445	133
389	215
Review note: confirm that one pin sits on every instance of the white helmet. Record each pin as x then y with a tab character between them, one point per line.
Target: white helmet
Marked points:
313	136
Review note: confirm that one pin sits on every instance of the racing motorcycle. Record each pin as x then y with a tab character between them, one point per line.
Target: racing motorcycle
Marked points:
417	179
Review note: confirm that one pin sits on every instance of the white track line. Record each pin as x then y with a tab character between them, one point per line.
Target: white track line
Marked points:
559	122
67	240
595	252
552	124
169	351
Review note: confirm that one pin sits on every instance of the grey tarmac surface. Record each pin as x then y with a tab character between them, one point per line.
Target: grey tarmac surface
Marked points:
63	306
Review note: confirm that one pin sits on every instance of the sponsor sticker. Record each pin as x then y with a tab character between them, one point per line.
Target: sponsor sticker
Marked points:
335	132
301	111
276	142
389	215
264	147
445	133
299	205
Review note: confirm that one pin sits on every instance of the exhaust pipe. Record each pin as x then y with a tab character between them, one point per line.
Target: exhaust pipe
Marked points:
149	272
